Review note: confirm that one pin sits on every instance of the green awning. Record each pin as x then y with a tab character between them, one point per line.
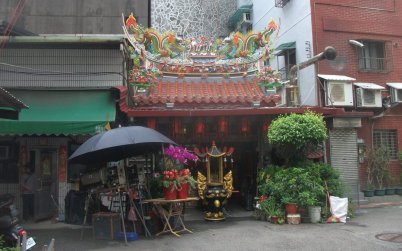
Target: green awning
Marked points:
286	46
61	113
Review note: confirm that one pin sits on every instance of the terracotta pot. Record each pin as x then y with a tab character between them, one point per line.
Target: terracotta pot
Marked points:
291	208
274	219
182	192
170	193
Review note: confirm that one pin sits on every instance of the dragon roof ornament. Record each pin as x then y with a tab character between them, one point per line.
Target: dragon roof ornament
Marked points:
174	54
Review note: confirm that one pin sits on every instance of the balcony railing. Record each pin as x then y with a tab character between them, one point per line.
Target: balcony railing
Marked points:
285	72
281	3
372	64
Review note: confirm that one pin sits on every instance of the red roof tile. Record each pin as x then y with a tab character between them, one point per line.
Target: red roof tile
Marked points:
202	92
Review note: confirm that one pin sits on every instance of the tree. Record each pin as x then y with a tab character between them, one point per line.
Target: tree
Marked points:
295	134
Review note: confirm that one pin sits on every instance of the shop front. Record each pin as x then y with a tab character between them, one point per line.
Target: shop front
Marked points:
43	137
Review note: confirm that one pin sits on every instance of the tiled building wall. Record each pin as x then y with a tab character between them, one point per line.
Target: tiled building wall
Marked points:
193	18
390	121
336	23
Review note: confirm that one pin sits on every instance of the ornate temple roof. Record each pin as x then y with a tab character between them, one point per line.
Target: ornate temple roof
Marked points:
205	93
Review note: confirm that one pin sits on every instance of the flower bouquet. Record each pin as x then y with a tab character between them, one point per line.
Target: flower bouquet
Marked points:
176	174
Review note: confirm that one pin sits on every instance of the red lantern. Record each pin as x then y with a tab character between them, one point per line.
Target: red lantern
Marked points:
245	126
265	125
223	125
200	127
151	123
176	126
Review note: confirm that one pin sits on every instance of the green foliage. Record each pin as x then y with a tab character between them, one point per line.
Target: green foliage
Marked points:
156	187
263	177
297	130
297	185
377	164
329	176
270	207
352	206
296	134
4	248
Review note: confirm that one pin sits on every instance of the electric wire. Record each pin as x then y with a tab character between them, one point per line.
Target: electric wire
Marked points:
43	72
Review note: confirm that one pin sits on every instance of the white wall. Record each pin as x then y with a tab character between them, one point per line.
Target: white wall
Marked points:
295	25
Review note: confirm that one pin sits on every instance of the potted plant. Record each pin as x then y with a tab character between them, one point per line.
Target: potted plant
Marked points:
270	207
291	206
398	190
278	216
176	175
369	191
378	160
185	183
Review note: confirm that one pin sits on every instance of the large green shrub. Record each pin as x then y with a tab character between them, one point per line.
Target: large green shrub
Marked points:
305	184
297	185
295	134
297	130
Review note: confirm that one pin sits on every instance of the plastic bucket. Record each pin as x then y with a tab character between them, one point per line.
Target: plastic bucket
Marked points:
315	214
131	236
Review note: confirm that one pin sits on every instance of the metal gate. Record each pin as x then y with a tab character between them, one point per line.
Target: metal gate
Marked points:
344	158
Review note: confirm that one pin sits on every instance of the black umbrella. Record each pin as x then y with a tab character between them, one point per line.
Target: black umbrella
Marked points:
119	143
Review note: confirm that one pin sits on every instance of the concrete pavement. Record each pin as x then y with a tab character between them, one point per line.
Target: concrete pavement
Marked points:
242	232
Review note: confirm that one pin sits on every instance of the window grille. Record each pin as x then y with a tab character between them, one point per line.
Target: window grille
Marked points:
388	139
372	57
281	3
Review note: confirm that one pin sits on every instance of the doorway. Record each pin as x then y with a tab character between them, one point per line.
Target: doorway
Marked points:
44	161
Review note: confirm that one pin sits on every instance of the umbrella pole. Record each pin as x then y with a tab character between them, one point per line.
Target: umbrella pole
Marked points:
122	217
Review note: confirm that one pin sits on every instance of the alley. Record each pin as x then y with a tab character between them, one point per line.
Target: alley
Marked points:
245	233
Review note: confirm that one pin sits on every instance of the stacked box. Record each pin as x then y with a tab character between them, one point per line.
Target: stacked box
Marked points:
106	225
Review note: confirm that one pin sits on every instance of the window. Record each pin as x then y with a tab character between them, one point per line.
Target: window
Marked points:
8	162
372	56
287	59
388	139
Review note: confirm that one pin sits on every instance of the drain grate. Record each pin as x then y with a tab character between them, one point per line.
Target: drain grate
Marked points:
392	237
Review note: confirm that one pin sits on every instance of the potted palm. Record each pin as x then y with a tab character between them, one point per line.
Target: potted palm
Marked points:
378	160
369	191
398	189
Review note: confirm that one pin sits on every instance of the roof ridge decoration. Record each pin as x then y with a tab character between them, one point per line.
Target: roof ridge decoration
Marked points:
196	56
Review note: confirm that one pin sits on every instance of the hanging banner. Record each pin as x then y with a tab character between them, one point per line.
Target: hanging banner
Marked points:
62	164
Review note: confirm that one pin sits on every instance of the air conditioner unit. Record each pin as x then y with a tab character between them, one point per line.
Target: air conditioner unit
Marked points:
368	97
339	93
247	17
396	95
